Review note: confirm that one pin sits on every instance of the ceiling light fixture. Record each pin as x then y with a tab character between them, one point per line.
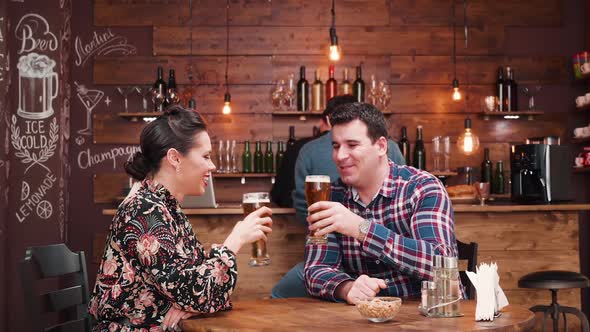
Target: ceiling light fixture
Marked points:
335	51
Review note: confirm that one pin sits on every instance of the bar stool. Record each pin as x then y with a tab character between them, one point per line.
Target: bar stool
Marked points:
555	280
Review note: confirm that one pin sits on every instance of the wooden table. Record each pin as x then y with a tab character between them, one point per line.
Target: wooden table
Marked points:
307	314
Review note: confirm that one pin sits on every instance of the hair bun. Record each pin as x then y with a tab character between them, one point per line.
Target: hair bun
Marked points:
138	167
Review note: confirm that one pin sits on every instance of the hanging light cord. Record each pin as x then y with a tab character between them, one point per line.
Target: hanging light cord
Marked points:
454	44
190	68
226	45
465	26
333	15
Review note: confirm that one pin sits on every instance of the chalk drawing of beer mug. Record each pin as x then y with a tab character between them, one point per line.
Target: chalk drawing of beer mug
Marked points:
37	86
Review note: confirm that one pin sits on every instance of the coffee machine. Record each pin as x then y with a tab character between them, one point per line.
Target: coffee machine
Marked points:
540	173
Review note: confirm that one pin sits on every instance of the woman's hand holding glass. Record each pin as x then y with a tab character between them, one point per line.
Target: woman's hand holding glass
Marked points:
253	228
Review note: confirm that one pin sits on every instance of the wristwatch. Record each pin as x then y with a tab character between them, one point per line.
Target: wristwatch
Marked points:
364	229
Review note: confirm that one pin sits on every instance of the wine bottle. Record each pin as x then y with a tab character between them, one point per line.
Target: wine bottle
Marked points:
511	91
358	88
269	158
499	178
317	94
291	141
172	96
258	158
404	145
500	90
247	158
280	156
160	91
419	151
345	87
486	167
302	91
331	85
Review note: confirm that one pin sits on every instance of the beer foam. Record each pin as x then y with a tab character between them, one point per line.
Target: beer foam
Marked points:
35	65
255	200
317	178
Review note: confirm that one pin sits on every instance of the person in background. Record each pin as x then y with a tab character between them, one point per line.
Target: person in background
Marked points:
385	222
315	158
281	192
154	271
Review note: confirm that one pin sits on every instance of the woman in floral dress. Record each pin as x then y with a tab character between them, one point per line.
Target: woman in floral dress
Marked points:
154	271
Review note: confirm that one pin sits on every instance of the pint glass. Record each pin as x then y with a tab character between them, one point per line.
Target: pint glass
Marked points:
250	203
317	188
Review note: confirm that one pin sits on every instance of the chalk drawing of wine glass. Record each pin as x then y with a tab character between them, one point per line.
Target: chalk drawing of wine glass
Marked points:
124	92
89	98
144	92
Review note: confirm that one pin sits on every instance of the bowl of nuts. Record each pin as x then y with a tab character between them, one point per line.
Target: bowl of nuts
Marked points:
379	309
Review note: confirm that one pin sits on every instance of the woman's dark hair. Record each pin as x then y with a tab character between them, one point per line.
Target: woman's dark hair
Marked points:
175	128
367	113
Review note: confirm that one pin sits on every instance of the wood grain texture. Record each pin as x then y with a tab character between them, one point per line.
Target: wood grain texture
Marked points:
305	314
317	13
261	40
427	70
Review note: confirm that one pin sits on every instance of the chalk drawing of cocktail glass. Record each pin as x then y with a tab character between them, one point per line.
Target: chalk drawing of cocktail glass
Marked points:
144	92
37	86
125	91
89	98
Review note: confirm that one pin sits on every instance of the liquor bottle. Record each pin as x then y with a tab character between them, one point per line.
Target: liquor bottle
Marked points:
269	158
499	178
346	87
500	90
419	151
404	145
160	91
172	96
317	94
486	167
302	91
258	158
291	141
280	155
358	87
331	85
247	158
511	91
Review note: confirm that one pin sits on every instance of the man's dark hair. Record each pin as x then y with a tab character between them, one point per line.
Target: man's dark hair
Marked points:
367	113
333	104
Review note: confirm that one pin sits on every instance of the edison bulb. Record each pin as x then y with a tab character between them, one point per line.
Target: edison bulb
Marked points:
335	52
468	142
456	94
226	108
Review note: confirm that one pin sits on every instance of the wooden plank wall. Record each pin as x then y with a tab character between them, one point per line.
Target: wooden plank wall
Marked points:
406	42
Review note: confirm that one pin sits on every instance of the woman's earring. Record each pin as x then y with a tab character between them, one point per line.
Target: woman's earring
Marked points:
177	169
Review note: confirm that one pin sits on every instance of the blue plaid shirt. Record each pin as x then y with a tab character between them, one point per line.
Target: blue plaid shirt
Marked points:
411	219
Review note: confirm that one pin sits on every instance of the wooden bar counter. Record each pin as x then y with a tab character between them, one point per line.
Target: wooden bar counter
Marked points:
520	238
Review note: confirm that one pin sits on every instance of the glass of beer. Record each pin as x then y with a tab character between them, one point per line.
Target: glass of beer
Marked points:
317	188
250	203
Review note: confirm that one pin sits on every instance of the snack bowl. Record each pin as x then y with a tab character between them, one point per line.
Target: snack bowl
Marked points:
379	309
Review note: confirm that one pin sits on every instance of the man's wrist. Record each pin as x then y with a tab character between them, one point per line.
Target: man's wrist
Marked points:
342	290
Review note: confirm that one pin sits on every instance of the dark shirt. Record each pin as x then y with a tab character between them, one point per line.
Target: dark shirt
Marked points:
281	192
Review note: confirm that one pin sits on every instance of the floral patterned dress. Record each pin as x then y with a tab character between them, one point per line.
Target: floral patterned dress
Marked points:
152	261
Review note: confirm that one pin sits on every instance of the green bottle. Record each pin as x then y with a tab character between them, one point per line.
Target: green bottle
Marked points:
269	158
258	158
486	167
499	178
247	158
280	155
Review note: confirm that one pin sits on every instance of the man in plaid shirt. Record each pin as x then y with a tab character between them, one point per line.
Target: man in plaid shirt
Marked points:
385	221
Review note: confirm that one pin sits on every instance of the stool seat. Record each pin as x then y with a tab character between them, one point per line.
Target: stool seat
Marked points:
554	280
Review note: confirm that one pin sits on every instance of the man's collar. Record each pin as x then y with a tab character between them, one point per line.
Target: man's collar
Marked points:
386	190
